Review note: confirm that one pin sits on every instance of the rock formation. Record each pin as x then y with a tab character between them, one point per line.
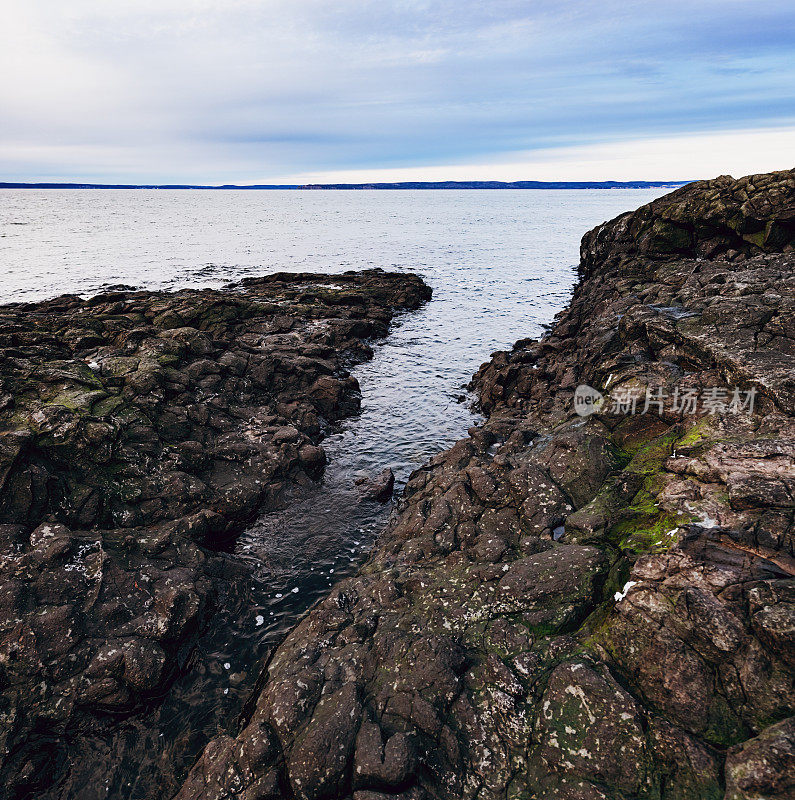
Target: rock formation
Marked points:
583	607
139	431
380	487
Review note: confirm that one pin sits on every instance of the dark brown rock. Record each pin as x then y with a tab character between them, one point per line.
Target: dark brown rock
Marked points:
582	608
763	766
138	430
379	488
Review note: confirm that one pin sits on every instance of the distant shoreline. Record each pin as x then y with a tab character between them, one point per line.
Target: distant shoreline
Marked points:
359	186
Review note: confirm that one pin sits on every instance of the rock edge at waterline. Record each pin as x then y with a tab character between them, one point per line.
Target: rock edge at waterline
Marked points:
589	608
138	432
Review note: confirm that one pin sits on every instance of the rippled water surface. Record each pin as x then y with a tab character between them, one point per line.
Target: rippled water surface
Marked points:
501	264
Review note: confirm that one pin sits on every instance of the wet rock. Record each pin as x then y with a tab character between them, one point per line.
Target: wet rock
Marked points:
379	488
138	432
240	762
582	607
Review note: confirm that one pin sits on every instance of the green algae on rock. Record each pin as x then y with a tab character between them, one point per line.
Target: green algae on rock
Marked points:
138	431
594	608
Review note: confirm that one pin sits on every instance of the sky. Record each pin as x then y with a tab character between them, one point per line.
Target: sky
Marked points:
294	91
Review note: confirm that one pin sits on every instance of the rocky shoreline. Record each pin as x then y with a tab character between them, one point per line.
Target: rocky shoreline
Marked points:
139	431
583	607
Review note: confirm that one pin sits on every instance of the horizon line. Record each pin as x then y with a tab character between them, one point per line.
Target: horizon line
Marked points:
364	185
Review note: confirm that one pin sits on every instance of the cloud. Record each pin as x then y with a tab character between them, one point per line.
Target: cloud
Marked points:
249	90
681	157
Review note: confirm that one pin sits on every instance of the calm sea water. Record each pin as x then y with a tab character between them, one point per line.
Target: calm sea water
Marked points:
501	264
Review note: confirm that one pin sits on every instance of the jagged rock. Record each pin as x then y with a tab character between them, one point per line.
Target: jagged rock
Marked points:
137	430
763	767
379	488
580	607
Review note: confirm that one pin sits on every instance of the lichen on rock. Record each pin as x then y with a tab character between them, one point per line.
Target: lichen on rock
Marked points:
138	432
567	607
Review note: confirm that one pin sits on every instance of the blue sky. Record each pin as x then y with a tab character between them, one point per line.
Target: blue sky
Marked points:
292	90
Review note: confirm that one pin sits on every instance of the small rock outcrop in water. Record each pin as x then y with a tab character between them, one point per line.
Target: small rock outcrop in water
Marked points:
379	488
590	608
137	431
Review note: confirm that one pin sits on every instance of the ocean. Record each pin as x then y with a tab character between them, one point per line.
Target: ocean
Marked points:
501	264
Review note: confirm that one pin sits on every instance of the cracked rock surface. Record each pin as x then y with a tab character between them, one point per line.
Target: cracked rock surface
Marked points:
138	432
587	608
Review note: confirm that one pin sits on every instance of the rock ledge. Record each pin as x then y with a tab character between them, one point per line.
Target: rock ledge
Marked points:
584	608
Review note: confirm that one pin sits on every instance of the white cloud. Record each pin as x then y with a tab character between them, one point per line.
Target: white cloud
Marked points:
251	90
681	157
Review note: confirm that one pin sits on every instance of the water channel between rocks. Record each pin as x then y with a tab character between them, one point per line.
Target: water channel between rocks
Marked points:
501	264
